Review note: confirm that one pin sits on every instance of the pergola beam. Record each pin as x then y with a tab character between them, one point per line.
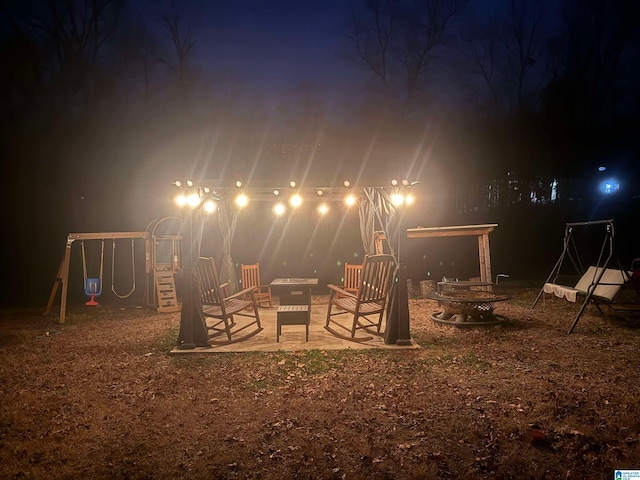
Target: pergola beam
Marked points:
481	231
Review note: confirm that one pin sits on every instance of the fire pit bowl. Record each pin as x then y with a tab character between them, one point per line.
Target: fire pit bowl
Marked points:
467	308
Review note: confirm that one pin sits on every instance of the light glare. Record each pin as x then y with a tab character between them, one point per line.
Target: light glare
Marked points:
181	200
350	200
193	200
323	209
397	199
242	200
295	201
209	206
279	209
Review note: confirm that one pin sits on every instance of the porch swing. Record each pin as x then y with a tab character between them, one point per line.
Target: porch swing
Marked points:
600	284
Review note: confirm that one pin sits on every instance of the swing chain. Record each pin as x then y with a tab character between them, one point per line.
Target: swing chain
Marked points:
84	265
133	271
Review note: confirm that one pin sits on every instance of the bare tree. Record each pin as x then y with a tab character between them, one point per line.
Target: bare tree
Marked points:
182	41
77	34
598	36
521	44
396	40
426	24
502	54
483	52
373	39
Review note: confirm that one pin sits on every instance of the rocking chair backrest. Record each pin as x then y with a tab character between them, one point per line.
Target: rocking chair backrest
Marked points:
375	279
209	284
250	275
352	273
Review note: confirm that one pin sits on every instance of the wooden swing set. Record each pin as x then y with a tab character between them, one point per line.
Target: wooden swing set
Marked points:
93	285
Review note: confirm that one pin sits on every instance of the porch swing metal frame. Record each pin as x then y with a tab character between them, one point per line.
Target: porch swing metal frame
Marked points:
607	261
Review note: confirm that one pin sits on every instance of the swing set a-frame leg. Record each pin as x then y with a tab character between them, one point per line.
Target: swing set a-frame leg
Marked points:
62	277
54	290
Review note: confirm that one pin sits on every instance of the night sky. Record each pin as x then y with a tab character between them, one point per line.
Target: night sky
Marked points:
275	89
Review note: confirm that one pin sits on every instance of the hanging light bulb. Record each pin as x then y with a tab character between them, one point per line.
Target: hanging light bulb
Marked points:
181	200
279	208
350	200
397	198
209	206
242	200
323	209
295	200
193	200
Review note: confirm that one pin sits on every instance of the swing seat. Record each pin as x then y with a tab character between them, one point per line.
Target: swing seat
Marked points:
92	287
605	291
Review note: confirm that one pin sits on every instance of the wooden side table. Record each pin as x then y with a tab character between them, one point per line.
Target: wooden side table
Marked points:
292	315
295	302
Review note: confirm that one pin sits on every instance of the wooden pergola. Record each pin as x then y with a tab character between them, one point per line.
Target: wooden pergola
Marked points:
378	208
480	231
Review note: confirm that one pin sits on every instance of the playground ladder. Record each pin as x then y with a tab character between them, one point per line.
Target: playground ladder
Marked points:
166	291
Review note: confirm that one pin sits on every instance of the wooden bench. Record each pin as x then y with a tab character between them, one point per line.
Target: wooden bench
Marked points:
292	315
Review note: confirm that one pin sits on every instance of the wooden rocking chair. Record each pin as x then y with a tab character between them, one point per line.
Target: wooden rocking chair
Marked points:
368	301
219	307
352	273
250	275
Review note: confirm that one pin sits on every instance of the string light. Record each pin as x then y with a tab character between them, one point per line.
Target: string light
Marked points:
209	206
295	200
242	200
350	200
279	208
205	197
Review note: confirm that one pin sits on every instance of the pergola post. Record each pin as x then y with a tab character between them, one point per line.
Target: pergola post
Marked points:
193	330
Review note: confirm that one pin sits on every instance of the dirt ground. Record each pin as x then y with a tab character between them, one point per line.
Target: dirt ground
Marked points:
100	397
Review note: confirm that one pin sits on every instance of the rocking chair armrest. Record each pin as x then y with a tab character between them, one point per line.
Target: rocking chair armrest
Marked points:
241	293
224	288
340	290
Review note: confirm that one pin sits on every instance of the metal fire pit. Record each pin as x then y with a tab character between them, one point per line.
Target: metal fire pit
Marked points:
467	308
